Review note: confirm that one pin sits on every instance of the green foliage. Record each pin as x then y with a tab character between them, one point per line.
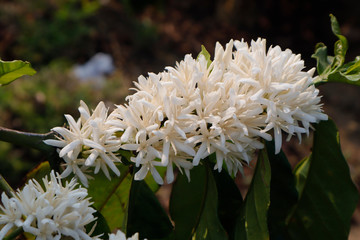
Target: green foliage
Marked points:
12	70
328	197
332	68
193	206
252	223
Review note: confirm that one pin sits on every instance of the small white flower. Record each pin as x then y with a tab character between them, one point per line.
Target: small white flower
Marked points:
50	212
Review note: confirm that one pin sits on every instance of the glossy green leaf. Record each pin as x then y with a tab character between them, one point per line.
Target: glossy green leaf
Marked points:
283	194
111	197
194	204
327	197
145	215
230	200
206	55
332	68
354	67
252	223
12	70
343	78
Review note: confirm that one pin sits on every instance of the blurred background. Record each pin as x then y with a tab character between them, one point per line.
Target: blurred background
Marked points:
94	49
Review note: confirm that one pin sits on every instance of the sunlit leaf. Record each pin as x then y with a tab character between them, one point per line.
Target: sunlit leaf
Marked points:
193	206
252	223
328	196
206	55
12	70
111	197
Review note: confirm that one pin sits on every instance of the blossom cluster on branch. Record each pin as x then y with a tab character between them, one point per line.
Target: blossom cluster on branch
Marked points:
52	211
48	212
185	113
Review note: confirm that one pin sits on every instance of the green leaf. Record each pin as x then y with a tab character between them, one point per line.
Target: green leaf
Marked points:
323	63
283	194
145	214
343	78
328	197
193	206
206	55
111	197
12	70
354	67
230	200
332	68
252	223
341	45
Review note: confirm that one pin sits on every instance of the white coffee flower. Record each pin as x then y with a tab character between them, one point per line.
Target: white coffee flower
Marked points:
276	80
90	142
50	212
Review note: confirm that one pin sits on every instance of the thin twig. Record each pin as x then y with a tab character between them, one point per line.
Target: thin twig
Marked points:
32	140
6	187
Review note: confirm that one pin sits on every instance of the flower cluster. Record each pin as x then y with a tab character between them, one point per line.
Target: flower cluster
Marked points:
90	141
184	114
50	212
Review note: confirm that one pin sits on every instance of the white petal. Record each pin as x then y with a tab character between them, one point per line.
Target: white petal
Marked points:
278	139
165	153
156	176
55	143
71	146
169	173
141	174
